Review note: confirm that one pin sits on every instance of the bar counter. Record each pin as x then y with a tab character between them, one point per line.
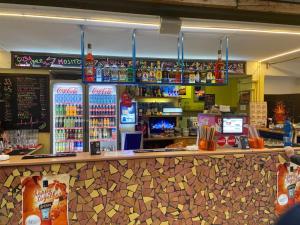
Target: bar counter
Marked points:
184	187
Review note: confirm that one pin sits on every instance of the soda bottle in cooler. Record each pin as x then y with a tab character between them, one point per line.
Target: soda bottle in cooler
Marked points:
57	109
66	110
78	110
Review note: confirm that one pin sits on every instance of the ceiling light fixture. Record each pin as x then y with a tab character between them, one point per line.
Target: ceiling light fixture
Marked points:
83	20
194	28
156	26
280	55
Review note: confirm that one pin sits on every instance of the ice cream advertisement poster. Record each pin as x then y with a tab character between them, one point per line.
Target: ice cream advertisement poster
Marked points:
45	200
288	187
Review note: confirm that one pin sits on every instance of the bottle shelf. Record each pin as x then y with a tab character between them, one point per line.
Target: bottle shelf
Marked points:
102	127
68	128
148	116
99	104
59	116
69	140
103	140
102	116
146	97
156	84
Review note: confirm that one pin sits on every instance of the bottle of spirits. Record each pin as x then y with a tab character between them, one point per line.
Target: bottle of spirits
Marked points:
122	73
219	66
152	73
139	73
129	72
99	73
89	69
145	72
186	74
106	72
158	74
165	73
192	76
114	72
197	74
208	74
203	73
177	74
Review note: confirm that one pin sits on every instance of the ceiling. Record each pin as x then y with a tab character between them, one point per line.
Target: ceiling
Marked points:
42	35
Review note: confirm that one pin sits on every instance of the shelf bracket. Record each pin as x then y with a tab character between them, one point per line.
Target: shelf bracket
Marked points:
133	45
82	43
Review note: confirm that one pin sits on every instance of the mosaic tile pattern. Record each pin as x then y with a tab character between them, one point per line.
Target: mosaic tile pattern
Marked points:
230	189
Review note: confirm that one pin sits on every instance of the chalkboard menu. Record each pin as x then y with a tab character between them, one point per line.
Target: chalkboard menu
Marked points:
24	102
48	61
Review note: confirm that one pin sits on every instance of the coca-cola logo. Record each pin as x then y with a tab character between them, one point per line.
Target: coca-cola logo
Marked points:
221	141
71	90
231	140
102	91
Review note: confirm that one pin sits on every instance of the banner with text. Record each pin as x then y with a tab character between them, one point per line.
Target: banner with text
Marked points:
288	187
45	199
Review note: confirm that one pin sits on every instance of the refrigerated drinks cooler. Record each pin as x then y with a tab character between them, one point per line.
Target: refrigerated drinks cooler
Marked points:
102	102
82	114
67	122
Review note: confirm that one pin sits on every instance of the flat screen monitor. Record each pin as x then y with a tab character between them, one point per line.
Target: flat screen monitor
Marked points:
128	114
232	125
132	140
158	125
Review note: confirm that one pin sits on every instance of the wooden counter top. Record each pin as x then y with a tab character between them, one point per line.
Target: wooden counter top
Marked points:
125	155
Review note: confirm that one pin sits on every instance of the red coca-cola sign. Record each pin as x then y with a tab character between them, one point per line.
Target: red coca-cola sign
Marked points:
102	91
231	140
70	90
221	141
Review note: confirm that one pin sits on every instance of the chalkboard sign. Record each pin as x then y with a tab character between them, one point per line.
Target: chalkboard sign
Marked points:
24	102
48	61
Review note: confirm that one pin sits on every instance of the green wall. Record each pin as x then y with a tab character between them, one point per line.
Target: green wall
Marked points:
225	95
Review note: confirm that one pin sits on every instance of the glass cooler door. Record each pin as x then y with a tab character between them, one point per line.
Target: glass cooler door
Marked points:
103	116
67	117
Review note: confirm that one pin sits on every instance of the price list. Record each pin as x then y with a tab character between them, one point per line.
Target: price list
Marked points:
25	100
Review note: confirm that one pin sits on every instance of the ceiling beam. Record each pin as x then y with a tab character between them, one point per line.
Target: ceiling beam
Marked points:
241	10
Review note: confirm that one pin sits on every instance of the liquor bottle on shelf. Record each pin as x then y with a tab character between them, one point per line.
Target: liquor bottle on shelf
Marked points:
130	77
158	73
186	74
122	73
89	69
192	76
139	73
99	73
145	77
114	72
203	73
152	73
219	66
197	73
106	73
177	74
165	73
209	74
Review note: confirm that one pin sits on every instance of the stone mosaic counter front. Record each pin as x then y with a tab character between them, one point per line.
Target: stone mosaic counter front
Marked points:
167	188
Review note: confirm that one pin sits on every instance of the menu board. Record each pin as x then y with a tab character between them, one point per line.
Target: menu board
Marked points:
24	102
47	61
